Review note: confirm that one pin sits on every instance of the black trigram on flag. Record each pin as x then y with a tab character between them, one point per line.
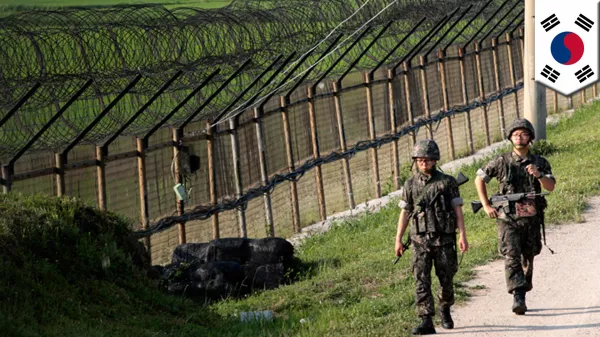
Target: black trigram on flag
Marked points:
584	22
550	22
584	73
550	74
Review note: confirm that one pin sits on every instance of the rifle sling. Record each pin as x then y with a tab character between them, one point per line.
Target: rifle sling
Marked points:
543	223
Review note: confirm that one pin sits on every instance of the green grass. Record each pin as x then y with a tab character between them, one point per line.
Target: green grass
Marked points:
53	282
9	7
356	291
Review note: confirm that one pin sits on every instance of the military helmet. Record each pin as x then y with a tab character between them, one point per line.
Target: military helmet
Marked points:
520	123
426	149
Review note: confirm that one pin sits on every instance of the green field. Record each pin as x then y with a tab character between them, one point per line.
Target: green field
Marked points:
8	7
64	3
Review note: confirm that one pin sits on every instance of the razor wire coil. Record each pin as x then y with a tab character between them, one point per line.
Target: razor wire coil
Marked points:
61	49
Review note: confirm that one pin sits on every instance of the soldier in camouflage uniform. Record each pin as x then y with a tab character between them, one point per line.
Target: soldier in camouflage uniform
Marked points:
432	199
519	236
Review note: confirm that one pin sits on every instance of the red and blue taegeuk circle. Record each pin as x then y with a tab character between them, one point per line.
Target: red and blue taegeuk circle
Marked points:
567	48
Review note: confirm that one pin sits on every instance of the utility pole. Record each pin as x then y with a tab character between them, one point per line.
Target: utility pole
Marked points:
535	93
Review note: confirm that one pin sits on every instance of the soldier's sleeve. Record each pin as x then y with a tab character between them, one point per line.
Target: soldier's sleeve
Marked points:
453	193
406	201
545	168
490	170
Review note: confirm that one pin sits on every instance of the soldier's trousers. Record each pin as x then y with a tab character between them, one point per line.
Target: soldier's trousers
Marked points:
444	259
519	242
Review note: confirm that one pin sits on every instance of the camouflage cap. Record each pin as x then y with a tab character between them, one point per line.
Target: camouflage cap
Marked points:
427	148
520	123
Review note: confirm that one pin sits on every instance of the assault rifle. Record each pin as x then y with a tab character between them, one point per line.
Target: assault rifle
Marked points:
503	201
460	179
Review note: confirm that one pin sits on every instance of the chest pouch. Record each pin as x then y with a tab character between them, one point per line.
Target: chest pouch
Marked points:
525	208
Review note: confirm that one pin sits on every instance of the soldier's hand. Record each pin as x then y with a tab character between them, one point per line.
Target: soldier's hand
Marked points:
533	170
399	249
490	211
463	244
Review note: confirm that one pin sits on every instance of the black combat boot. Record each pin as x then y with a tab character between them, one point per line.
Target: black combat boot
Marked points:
447	322
426	327
519	306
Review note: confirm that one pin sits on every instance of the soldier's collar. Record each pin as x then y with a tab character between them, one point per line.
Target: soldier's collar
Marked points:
422	176
518	158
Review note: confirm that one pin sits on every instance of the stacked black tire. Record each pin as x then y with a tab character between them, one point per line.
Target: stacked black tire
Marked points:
229	267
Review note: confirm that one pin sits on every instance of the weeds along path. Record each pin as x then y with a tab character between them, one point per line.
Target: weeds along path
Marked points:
565	300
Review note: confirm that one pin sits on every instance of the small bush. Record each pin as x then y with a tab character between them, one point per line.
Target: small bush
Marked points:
543	147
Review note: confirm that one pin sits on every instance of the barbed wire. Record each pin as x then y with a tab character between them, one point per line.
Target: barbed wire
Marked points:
203	212
61	49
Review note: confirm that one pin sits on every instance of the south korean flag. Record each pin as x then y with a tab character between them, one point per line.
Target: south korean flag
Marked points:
566	44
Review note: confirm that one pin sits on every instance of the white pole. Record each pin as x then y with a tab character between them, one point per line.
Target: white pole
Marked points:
534	93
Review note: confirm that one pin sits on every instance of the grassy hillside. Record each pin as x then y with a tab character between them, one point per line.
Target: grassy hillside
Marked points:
70	270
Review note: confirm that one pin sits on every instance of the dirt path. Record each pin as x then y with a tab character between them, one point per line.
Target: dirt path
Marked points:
565	300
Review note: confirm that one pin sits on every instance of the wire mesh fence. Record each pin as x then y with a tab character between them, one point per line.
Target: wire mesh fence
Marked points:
258	151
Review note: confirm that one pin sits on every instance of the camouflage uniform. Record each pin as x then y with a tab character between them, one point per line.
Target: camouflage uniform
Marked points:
519	240
433	234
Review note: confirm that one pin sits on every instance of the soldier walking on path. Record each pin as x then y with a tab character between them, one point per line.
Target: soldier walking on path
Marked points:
432	199
519	224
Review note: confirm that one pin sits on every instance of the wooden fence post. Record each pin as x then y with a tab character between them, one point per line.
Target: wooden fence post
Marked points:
372	135
393	122
425	94
141	161
101	177
316	153
287	137
237	174
212	185
343	146
180	204
498	85
522	44
7	177
264	173
449	132
511	68
409	112
463	80
570	101
60	174
484	112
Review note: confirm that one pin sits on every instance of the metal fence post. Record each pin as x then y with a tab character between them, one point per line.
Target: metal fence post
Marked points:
372	135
